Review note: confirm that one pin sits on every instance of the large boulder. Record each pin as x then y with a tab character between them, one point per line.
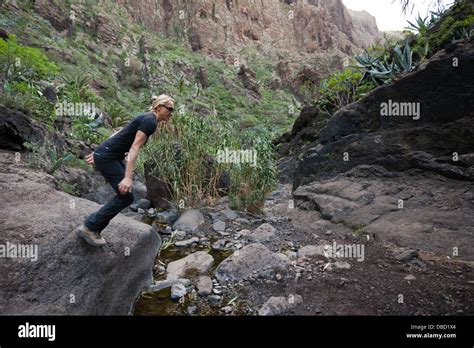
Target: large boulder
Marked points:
65	276
158	191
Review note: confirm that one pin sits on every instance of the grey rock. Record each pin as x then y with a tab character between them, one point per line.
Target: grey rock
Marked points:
187	242
254	257
279	305
219	226
219	244
189	221
339	265
214	300
191	310
143	203
227	309
199	261
159	285
312	251
268	274
140	211
180	235
184	281
264	233
204	285
406	255
66	265
168	216
139	190
167	283
133	207
229	214
178	290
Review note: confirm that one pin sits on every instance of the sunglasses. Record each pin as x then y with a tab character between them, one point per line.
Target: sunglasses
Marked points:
168	108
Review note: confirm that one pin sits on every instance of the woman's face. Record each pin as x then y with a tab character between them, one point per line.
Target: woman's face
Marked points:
165	111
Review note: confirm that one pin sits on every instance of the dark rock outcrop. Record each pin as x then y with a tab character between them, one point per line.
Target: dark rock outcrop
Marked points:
17	128
361	134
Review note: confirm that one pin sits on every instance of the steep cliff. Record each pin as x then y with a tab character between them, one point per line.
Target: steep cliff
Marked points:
293	28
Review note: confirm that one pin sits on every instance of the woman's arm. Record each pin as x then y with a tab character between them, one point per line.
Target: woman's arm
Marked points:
126	183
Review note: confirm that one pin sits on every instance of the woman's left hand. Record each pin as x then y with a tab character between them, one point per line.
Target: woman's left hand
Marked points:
125	186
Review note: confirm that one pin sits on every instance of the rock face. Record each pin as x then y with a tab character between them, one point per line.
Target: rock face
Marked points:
222	28
442	128
407	179
68	277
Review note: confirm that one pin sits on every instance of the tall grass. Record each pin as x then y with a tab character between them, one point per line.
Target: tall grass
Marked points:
184	155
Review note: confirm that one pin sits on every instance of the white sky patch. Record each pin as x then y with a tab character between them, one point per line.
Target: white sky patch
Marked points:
388	13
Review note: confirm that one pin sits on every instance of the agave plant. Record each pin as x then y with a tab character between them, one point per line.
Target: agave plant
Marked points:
421	25
403	59
374	68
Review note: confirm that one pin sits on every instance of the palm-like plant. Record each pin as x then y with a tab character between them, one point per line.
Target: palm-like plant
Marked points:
117	113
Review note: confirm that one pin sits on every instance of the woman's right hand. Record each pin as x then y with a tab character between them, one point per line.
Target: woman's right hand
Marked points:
90	158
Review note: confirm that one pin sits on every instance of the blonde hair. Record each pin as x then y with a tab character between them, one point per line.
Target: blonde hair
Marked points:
162	99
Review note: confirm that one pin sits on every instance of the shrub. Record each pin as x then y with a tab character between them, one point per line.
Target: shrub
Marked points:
341	89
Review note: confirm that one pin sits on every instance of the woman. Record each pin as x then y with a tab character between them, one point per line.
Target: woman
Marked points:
109	160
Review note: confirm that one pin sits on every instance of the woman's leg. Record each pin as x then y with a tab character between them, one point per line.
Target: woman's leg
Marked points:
113	171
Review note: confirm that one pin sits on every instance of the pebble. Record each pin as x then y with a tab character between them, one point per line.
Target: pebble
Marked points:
180	235
227	309
214	300
187	242
192	310
219	226
178	290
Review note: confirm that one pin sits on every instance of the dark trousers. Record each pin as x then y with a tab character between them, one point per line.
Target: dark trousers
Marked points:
113	171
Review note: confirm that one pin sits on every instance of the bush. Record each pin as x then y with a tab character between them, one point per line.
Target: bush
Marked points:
21	67
22	63
341	89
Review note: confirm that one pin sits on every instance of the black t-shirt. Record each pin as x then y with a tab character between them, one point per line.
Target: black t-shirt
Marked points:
120	143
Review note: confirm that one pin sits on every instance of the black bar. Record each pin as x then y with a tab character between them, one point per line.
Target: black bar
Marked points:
161	331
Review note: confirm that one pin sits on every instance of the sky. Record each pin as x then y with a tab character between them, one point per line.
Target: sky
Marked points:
388	13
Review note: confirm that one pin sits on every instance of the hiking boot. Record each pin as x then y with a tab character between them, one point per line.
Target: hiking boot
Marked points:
91	237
